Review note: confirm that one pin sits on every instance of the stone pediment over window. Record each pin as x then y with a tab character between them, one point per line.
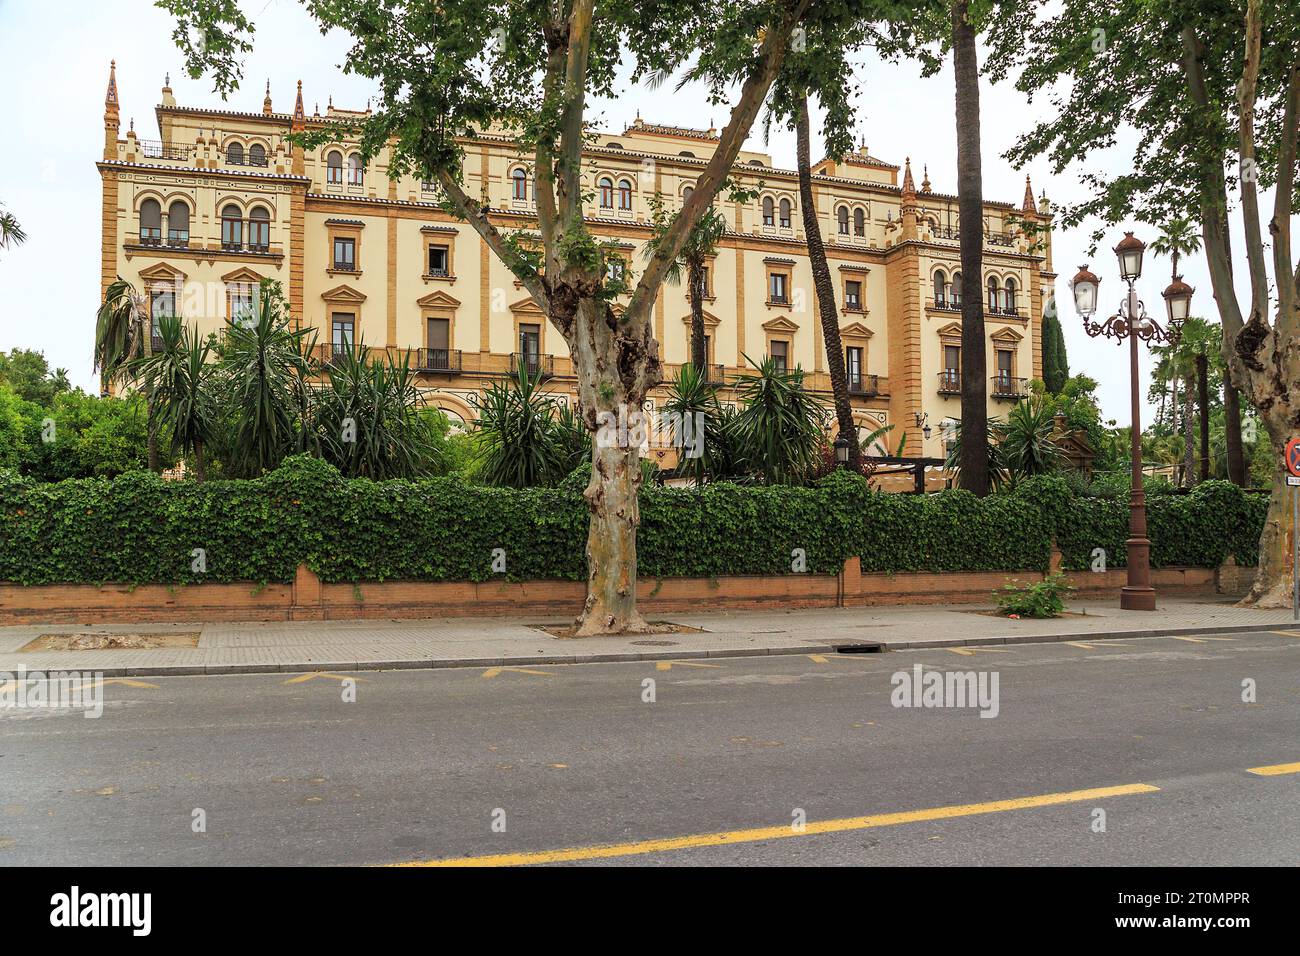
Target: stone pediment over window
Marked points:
344	295
855	330
527	306
162	272
1009	336
242	275
438	300
781	324
711	321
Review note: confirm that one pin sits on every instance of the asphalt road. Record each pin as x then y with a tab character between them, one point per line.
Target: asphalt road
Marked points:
427	765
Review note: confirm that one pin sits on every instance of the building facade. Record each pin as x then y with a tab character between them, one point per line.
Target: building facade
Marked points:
197	218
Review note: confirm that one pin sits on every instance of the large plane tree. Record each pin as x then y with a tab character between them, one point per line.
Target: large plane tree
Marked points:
451	69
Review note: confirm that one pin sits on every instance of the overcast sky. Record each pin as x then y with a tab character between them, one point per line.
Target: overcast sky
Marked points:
56	57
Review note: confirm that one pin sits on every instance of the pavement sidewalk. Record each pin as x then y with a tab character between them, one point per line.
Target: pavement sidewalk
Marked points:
499	641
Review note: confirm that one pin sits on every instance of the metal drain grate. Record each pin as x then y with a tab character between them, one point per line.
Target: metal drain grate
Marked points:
655	643
861	647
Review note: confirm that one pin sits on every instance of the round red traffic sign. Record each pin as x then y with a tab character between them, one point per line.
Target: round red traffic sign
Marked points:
1293	456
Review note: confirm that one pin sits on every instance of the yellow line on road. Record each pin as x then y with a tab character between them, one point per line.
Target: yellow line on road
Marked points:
12	685
817	658
731	837
494	671
668	665
1092	647
301	678
972	651
1276	770
1286	633
1200	640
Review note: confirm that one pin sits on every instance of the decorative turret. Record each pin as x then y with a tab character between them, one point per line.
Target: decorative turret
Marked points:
168	99
925	179
1028	206
266	102
907	211
112	117
909	186
299	126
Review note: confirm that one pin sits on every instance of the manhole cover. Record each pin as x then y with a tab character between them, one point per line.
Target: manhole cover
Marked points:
111	642
655	643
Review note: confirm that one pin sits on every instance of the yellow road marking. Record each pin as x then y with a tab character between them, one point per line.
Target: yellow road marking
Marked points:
1286	633
12	685
971	651
817	658
494	671
668	665
302	678
1276	770
1200	640
812	828
1092	647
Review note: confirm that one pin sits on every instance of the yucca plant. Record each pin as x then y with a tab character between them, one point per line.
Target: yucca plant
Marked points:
120	326
693	400
998	475
1025	446
178	378
781	427
520	443
265	387
367	417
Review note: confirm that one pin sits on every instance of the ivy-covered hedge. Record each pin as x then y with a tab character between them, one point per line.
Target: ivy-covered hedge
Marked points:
140	529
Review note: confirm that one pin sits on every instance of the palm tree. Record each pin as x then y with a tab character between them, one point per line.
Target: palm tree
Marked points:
521	444
1025	442
11	233
692	400
822	283
975	465
781	428
179	378
701	243
266	373
119	341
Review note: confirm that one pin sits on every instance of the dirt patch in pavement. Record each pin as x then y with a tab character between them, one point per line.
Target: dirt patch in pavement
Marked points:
111	642
656	627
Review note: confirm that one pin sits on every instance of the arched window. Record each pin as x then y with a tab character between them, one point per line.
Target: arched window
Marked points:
859	222
686	193
769	219
606	193
257	155
954	295
232	227
842	217
356	170
178	224
785	213
259	229
235	154
150	222
519	179
1010	300
995	295
334	167
624	195
940	289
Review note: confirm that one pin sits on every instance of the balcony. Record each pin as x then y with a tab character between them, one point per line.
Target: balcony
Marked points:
155	343
950	381
153	149
534	363
950	303
1005	388
330	354
865	386
246	159
438	360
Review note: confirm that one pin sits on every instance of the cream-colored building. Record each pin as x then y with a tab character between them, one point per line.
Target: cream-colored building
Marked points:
220	200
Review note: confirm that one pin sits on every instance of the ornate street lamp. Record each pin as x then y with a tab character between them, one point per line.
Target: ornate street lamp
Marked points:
1133	323
922	422
842	451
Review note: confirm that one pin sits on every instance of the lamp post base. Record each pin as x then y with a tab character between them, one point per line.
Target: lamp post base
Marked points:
1137	599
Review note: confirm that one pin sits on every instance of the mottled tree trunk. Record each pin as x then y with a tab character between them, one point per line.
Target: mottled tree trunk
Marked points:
1189	443
970	198
1203	400
821	271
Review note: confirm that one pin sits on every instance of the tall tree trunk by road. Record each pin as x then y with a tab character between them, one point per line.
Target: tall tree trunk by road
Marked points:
970	200
1203	400
1189	444
824	286
696	290
1232	431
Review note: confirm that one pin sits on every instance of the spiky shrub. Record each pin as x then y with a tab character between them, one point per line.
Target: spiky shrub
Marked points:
522	445
692	401
780	427
179	378
368	418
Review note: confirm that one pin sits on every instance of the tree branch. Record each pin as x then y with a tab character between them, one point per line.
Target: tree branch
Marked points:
476	214
1280	228
544	169
571	117
770	56
1246	90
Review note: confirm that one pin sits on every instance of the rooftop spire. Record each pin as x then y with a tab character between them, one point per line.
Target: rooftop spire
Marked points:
266	103
909	185
1028	205
299	117
110	98
925	178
